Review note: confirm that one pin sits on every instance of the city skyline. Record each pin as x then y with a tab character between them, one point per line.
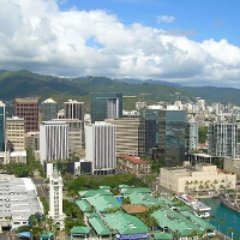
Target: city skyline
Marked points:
189	43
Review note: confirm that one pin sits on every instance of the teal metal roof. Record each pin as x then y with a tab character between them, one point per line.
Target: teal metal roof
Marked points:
201	223
102	203
176	222
162	236
125	224
91	193
98	225
83	205
80	230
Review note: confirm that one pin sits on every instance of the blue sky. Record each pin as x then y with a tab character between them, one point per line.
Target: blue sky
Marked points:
199	19
191	42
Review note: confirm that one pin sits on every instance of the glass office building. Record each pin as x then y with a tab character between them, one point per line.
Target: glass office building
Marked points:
106	106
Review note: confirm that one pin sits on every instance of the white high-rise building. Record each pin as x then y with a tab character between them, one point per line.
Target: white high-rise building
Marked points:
54	141
191	136
100	139
223	139
74	110
56	199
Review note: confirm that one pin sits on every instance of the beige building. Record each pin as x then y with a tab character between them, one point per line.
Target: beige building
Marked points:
130	136
32	140
232	165
15	133
204	177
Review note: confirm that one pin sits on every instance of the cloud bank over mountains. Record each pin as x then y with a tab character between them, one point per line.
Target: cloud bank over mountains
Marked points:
38	36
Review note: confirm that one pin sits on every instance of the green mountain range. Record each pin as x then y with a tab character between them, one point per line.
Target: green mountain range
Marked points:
24	83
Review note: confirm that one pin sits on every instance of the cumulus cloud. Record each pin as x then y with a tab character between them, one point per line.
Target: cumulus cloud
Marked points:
165	19
38	36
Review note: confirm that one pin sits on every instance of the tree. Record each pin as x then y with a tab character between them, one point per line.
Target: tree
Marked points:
202	134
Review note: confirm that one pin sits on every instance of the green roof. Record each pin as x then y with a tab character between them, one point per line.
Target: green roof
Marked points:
162	236
80	230
128	191
176	222
105	187
83	205
203	224
125	224
98	225
46	235
92	193
103	203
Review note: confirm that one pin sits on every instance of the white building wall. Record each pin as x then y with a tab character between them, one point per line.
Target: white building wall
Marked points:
101	146
53	141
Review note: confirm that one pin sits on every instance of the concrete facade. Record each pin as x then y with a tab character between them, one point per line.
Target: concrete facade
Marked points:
204	177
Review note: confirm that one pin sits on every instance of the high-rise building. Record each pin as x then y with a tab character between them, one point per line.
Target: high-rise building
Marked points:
130	136
2	126
106	105
191	136
74	110
56	200
75	134
100	139
48	109
28	108
172	125
54	144
222	139
15	133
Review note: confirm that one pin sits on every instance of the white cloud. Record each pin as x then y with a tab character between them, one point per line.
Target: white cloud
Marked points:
38	36
165	19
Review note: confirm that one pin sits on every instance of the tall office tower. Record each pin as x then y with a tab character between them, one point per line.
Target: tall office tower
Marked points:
15	133
56	199
152	114
172	125
222	139
150	135
130	136
2	126
74	110
100	139
53	141
201	103
48	109
75	134
191	136
28	108
106	106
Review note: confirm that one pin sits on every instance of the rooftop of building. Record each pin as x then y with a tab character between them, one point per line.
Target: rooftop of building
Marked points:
80	230
49	100
27	100
135	208
133	159
19	197
174	221
15	118
125	224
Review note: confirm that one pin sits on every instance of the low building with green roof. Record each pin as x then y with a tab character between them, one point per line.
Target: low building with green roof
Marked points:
103	203
91	193
83	205
47	236
101	229
80	232
175	223
161	236
126	226
208	228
